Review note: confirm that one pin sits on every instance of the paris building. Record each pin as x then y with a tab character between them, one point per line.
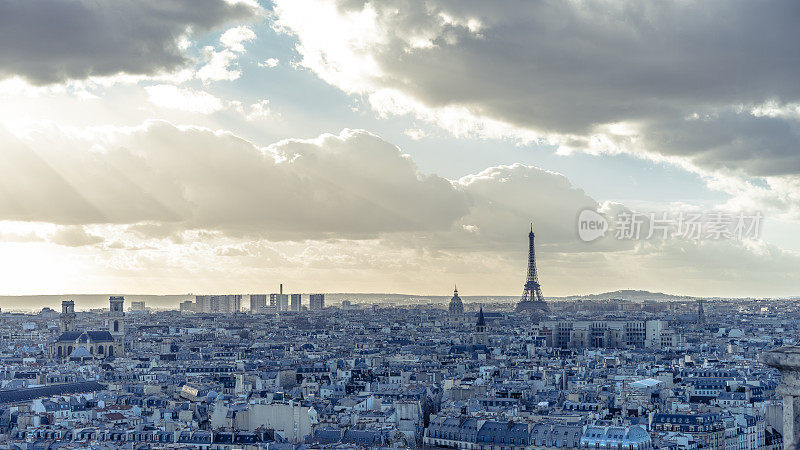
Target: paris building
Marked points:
78	344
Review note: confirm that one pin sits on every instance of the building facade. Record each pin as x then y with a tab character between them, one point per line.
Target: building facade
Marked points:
74	343
257	303
316	302
652	334
296	302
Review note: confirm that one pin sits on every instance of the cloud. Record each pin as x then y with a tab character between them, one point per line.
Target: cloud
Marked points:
269	63
259	110
223	64
105	37
219	66
351	184
698	85
507	199
184	99
20	237
415	133
162	180
235	38
349	211
74	236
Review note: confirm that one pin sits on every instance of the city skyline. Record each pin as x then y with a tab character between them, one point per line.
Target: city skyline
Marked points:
254	143
386	224
666	375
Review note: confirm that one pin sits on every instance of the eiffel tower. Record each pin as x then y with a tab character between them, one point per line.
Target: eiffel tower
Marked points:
532	300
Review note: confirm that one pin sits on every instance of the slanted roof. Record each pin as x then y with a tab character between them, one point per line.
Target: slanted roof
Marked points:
26	394
85	336
114	416
68	336
80	352
100	336
646	383
327	435
612	436
481	319
506	430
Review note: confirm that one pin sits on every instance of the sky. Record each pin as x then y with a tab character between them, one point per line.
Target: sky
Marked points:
224	146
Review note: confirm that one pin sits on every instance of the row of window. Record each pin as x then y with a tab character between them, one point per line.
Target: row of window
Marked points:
100	350
454	436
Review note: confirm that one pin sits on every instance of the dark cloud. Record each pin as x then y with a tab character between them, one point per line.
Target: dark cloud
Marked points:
730	139
507	199
566	69
50	41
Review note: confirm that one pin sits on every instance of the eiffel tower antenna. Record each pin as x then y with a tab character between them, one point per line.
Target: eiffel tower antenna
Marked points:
532	299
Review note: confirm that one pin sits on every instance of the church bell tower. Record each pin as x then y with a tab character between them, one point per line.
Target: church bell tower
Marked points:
481	337
116	322
67	315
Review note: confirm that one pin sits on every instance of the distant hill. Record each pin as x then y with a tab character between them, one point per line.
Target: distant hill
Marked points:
629	294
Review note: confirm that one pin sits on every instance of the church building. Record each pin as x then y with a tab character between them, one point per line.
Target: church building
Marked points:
77	344
456	309
481	337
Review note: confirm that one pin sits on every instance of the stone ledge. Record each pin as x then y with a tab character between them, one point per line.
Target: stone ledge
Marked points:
787	361
783	358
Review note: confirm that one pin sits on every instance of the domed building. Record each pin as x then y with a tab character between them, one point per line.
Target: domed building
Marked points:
456	307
